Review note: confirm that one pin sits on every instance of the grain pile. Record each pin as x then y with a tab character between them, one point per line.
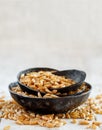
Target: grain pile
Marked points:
44	81
9	109
18	90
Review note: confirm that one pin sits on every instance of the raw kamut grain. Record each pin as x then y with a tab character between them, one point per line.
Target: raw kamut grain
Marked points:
11	110
83	122
97	123
7	128
44	81
54	94
74	121
92	126
2	97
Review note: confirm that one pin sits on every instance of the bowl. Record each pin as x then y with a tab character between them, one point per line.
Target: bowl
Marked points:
50	105
76	75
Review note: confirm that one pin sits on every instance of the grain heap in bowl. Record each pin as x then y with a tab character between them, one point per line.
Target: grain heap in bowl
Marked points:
44	80
18	90
52	94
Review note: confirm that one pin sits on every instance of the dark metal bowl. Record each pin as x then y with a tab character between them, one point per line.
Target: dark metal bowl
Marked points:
76	75
50	105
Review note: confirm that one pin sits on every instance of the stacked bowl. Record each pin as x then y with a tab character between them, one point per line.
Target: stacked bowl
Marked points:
47	90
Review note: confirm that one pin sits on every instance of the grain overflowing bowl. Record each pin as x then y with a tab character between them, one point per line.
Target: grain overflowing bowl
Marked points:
50	104
48	80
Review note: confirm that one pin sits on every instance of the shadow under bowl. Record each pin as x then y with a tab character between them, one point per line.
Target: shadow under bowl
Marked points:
50	105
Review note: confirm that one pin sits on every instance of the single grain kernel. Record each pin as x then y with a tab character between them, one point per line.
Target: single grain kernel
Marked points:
7	128
83	122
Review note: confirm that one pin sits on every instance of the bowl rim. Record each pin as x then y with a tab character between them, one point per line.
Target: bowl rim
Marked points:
70	96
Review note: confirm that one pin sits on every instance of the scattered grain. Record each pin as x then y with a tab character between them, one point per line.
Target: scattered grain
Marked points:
7	128
83	122
74	121
11	110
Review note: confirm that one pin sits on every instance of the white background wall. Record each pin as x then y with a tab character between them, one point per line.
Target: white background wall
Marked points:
62	34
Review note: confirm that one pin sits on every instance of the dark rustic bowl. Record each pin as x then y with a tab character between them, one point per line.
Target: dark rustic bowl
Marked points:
27	88
76	75
50	105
